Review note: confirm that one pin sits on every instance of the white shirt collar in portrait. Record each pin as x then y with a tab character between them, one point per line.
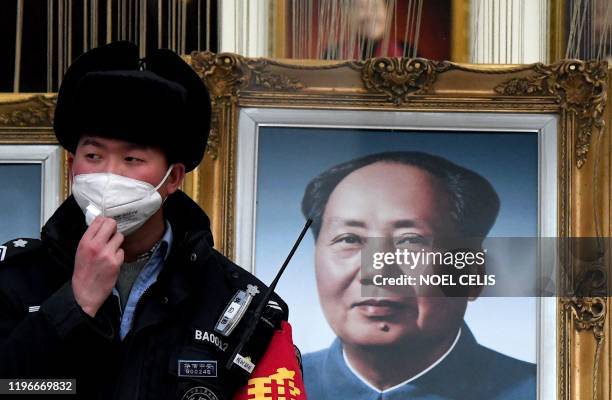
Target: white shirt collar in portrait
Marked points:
426	370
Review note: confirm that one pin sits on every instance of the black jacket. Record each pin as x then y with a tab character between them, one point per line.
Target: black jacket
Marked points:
174	320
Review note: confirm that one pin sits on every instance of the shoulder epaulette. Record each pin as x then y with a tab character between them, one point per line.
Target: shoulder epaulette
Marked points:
16	248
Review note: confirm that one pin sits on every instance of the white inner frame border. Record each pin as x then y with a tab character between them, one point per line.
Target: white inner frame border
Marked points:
49	157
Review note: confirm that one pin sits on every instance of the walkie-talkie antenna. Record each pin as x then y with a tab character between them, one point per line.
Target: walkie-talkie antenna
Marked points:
252	324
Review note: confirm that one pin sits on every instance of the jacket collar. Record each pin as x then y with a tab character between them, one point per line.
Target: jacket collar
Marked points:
64	230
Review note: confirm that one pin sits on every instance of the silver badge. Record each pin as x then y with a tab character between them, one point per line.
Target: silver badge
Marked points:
235	310
20	243
199	393
197	368
252	290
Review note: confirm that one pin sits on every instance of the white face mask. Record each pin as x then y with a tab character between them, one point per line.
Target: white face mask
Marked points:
128	201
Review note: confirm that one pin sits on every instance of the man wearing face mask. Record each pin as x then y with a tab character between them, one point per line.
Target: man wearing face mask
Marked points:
124	291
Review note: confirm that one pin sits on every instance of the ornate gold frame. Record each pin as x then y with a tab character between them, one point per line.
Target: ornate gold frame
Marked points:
28	119
575	91
558	30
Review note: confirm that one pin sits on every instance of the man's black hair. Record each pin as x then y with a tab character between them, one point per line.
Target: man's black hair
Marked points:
474	204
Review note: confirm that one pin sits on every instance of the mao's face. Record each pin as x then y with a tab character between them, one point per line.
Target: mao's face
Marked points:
383	200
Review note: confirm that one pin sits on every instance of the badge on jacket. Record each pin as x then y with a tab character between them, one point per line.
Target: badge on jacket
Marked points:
235	310
199	393
197	368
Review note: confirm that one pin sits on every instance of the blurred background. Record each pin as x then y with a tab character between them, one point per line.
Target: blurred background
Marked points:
40	38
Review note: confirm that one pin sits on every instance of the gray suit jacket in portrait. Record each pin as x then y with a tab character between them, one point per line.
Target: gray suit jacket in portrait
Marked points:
469	372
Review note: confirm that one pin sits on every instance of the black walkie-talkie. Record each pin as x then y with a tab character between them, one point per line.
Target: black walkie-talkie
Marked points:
252	323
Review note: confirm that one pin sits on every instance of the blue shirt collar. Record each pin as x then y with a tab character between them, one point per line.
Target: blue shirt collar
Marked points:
147	277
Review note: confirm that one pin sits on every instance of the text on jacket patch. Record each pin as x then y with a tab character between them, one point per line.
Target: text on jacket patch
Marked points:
204	336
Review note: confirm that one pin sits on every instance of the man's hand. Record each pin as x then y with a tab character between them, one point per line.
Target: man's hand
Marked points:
97	263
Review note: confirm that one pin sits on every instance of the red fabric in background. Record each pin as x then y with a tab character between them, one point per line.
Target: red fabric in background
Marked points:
434	36
277	376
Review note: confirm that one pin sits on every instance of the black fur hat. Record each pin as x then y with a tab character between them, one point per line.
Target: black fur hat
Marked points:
160	100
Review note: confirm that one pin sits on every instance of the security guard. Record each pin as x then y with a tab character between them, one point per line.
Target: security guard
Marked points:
124	291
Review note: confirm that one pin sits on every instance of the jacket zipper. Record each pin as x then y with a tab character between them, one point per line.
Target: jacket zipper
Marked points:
127	345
